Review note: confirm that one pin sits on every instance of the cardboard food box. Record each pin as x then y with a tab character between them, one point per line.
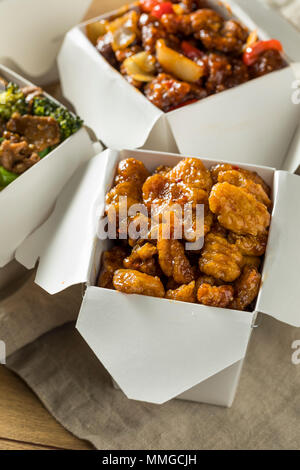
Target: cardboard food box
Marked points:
156	349
248	123
28	200
32	32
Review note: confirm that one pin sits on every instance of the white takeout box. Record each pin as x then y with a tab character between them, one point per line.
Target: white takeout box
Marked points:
157	349
254	119
28	200
32	32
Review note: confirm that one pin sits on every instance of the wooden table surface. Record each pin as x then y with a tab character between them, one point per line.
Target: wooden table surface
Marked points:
24	422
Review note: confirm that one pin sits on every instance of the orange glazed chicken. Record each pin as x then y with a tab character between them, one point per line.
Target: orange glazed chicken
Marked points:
223	270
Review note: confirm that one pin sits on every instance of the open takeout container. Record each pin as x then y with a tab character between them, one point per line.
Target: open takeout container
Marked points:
157	349
28	200
32	32
245	123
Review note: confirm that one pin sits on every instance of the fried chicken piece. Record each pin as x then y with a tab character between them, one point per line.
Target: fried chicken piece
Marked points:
220	259
177	24
229	38
184	293
40	131
203	279
196	228
252	261
166	92
118	202
206	19
130	281
237	178
224	72
215	296
218	229
248	244
171	284
162	170
159	190
150	34
238	210
209	27
173	261
131	170
112	260
138	229
142	259
127	189
192	172
239	74
104	46
219	71
251	175
246	288
192	5
268	61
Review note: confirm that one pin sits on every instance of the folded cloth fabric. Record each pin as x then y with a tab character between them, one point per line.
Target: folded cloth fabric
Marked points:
76	389
27	312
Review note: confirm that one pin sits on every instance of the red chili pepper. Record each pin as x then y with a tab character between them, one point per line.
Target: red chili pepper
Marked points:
190	51
252	52
183	104
148	5
162	9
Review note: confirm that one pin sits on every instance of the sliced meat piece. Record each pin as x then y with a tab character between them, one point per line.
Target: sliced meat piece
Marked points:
40	131
17	156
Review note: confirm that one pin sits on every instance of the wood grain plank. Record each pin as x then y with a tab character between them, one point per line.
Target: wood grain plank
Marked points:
15	445
24	418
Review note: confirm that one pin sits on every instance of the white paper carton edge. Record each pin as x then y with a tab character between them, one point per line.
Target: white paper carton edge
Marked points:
31	27
59	268
103	309
156	349
74	214
242	136
292	161
27	202
279	295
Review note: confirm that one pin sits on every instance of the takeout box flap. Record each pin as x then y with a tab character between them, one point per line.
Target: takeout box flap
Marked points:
279	295
253	122
119	114
156	349
64	243
32	31
292	160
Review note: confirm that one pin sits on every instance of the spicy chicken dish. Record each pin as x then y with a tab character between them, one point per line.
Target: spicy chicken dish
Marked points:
225	271
177	53
31	126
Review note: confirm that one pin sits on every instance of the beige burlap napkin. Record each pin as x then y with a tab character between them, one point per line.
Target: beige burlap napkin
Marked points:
76	389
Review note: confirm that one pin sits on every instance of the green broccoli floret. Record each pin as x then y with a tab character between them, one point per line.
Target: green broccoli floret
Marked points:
69	124
6	177
12	100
